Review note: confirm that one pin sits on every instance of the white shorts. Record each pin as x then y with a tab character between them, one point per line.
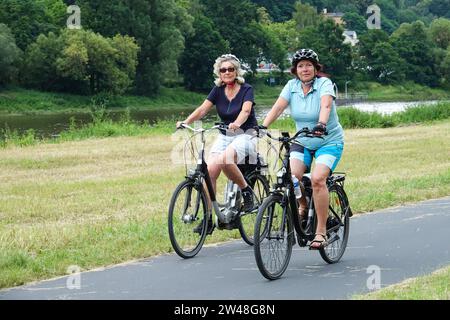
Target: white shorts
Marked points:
243	144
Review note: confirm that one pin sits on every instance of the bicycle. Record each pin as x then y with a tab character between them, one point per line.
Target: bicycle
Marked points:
278	217
189	202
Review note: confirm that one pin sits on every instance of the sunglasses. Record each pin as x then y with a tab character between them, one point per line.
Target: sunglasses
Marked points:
223	70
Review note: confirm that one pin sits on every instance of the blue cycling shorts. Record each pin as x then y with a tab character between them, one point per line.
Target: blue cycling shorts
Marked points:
328	155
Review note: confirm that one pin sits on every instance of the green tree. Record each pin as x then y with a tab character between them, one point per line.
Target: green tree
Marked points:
263	16
26	19
279	10
287	33
368	41
236	21
39	68
440	56
378	60
439	32
353	21
386	65
55	12
440	8
305	15
327	40
445	69
407	15
81	61
202	48
9	55
159	27
105	64
274	49
413	45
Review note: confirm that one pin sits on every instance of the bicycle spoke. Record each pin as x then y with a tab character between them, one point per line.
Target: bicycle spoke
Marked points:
274	248
183	219
337	226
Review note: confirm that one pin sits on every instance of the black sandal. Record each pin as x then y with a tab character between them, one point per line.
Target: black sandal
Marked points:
322	243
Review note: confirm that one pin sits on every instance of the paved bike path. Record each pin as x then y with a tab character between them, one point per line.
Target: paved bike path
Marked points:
403	242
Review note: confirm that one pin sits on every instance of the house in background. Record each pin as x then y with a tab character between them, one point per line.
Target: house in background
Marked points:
350	37
337	17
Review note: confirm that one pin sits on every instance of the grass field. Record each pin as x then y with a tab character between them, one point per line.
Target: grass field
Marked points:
101	201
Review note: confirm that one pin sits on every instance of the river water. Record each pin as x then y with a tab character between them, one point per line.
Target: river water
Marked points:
47	125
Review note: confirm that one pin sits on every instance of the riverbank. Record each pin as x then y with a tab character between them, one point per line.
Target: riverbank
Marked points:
102	201
102	126
401	92
24	101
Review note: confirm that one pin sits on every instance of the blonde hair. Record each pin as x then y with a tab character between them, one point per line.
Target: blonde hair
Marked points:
235	62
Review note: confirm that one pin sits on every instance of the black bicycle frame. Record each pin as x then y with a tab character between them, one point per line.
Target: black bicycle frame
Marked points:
291	200
202	168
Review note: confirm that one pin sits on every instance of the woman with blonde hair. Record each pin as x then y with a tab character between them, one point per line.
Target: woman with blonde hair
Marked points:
234	101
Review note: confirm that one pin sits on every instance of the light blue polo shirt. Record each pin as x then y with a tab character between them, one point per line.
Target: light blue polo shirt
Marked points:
305	111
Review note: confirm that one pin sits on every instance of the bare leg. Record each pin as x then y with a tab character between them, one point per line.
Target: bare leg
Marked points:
320	195
230	168
298	168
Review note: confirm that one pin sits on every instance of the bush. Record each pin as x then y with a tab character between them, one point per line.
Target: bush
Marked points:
353	118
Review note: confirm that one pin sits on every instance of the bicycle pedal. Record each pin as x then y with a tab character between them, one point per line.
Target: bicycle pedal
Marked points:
227	226
302	242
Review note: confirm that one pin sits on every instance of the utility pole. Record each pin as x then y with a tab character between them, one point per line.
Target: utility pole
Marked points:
346	95
336	90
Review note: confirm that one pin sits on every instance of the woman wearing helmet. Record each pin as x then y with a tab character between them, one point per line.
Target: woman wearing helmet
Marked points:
234	103
311	101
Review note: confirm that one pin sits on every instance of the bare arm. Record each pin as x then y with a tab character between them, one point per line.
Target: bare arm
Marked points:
325	108
198	113
243	115
277	109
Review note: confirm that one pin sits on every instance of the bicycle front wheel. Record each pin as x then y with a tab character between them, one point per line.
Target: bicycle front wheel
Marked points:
273	237
261	189
338	224
188	219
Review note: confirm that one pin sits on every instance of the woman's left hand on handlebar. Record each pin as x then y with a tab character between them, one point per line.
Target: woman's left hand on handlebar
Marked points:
319	129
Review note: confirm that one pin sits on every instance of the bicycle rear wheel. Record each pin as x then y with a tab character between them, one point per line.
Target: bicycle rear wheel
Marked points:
338	224
273	237
261	188
188	208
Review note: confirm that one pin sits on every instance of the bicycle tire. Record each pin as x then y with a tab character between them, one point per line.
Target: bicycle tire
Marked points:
247	221
184	240
337	206
268	239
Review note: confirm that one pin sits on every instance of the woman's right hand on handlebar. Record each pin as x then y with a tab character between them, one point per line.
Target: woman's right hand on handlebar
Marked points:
261	130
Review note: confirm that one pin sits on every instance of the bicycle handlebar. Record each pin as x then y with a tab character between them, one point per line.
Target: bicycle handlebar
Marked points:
306	132
218	125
